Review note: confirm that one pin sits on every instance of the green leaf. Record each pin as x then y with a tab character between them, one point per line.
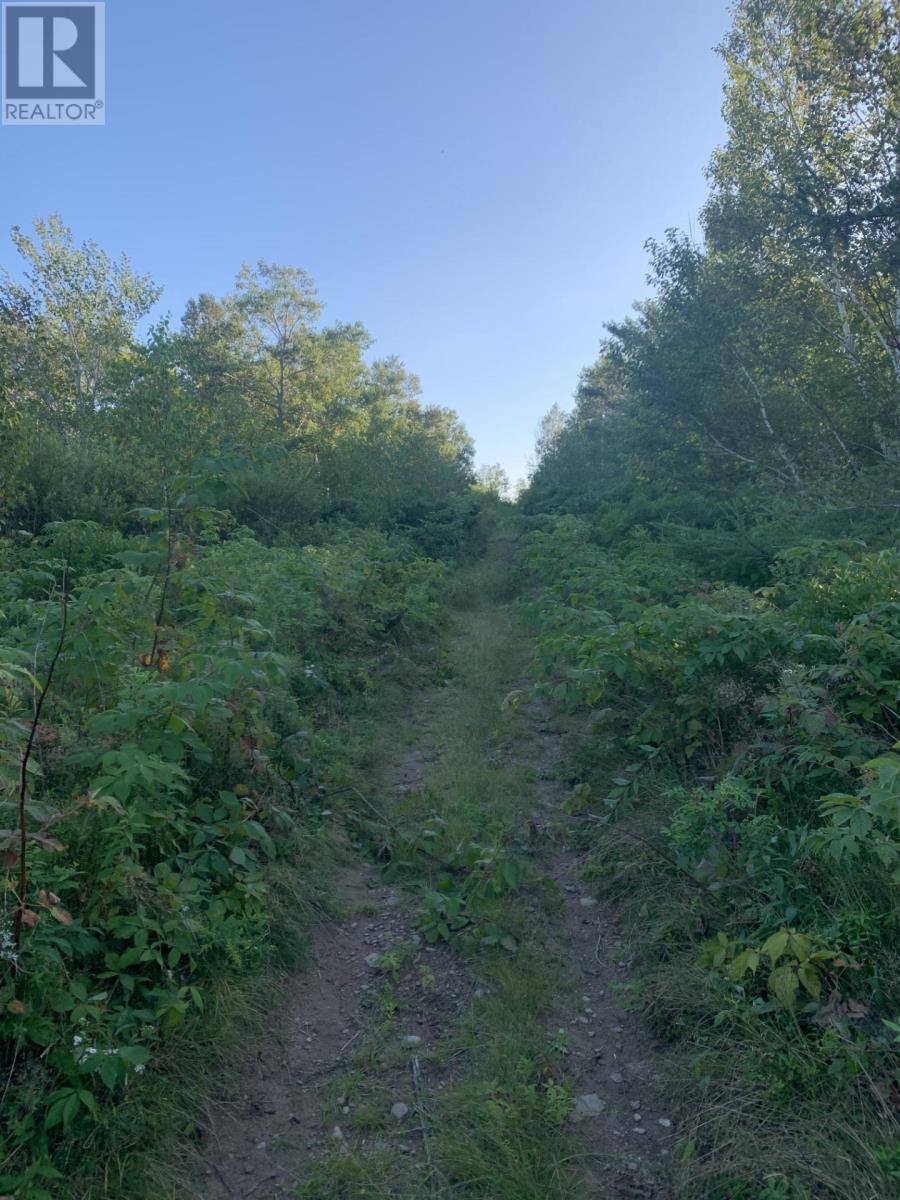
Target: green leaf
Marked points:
109	1071
776	945
135	1056
783	985
747	960
810	979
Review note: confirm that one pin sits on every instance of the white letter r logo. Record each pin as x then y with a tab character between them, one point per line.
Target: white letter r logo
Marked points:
32	32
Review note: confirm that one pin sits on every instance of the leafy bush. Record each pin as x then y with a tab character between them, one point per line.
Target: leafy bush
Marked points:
744	754
177	760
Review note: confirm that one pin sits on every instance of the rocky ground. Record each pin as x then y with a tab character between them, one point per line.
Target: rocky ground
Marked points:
306	1092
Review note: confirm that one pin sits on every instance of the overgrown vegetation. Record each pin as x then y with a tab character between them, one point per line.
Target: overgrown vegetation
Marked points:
217	544
221	541
714	539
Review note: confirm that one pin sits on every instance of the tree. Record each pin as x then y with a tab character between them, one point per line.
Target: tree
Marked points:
492	479
278	306
86	303
809	174
551	426
334	380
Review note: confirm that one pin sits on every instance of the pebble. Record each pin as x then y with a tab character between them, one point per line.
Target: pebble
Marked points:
337	1133
587	902
399	1111
411	1040
665	1122
617	1078
372	960
588	1106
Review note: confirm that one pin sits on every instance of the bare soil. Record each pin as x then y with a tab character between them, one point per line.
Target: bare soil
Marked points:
628	1143
287	1106
280	1113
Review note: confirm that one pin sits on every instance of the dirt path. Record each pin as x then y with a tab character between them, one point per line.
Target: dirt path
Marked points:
352	1095
624	1120
305	1094
344	1074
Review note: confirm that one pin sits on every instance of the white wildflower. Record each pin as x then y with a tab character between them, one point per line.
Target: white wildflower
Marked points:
8	952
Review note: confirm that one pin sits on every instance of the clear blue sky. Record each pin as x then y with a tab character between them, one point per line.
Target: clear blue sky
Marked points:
474	179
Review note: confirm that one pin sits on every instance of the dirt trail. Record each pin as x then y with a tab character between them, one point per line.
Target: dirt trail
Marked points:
349	1075
628	1128
284	1112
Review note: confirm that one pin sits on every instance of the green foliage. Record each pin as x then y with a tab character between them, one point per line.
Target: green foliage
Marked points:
743	773
94	422
718	587
178	757
219	614
867	823
461	881
224	528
